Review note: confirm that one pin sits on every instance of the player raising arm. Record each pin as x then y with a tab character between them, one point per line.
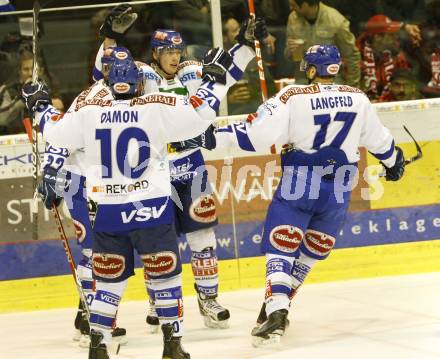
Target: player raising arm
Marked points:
321	125
126	166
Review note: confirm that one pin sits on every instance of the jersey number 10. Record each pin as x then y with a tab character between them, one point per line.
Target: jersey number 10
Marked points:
131	133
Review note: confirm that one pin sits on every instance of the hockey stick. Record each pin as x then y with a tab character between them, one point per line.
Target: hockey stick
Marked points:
412	159
34	142
419	154
29	130
263	85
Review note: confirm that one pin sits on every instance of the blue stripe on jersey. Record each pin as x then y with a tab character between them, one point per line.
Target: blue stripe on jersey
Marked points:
385	155
134	215
97	75
242	137
101	320
234	49
87	284
235	72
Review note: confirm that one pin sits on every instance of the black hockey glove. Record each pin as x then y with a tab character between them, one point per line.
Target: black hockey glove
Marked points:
52	186
36	96
118	22
205	140
215	65
252	30
395	173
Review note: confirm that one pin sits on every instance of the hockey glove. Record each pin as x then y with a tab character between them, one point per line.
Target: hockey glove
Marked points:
36	96
395	173
251	30
205	140
118	22
51	187
215	65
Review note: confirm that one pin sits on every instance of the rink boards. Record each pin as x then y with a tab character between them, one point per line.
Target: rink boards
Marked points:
396	234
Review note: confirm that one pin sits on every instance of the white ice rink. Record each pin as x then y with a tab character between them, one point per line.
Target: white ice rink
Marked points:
392	317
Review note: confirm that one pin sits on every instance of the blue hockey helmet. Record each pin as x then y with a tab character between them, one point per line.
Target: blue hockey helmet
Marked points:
167	39
124	77
326	59
112	53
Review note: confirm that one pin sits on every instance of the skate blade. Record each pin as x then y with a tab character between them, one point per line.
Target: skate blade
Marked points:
76	335
121	340
153	329
215	324
84	341
273	341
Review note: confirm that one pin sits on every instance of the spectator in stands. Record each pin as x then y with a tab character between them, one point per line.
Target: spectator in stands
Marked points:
245	96
381	55
403	87
313	22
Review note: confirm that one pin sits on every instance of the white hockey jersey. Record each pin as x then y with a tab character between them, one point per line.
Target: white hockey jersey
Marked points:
125	152
312	117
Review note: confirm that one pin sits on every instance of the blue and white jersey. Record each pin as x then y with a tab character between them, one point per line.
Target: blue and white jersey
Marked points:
309	118
124	144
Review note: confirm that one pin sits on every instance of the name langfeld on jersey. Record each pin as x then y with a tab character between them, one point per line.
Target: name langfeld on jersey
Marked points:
321	103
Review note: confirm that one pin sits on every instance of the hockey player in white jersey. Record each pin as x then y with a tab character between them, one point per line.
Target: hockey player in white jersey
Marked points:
321	127
126	165
197	216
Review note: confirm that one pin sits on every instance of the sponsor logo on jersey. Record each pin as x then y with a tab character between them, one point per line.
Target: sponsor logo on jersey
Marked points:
166	100
296	90
160	263
182	172
108	265
286	238
189	76
188	63
80	230
143	214
203	209
319	243
344	88
93	102
102	93
108	298
137	186
119	116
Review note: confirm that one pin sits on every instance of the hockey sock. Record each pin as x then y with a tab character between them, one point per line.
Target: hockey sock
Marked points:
148	287
84	270
278	282
105	306
204	261
168	301
301	268
205	270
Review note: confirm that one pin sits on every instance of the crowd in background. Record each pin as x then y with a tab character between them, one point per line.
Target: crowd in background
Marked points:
390	48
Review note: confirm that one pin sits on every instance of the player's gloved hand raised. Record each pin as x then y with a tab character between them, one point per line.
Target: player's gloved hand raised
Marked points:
215	65
51	187
36	96
251	30
118	22
395	173
205	140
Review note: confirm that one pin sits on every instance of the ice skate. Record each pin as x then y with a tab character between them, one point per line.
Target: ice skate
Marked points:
172	347
96	349
262	317
152	318
269	332
119	336
214	315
